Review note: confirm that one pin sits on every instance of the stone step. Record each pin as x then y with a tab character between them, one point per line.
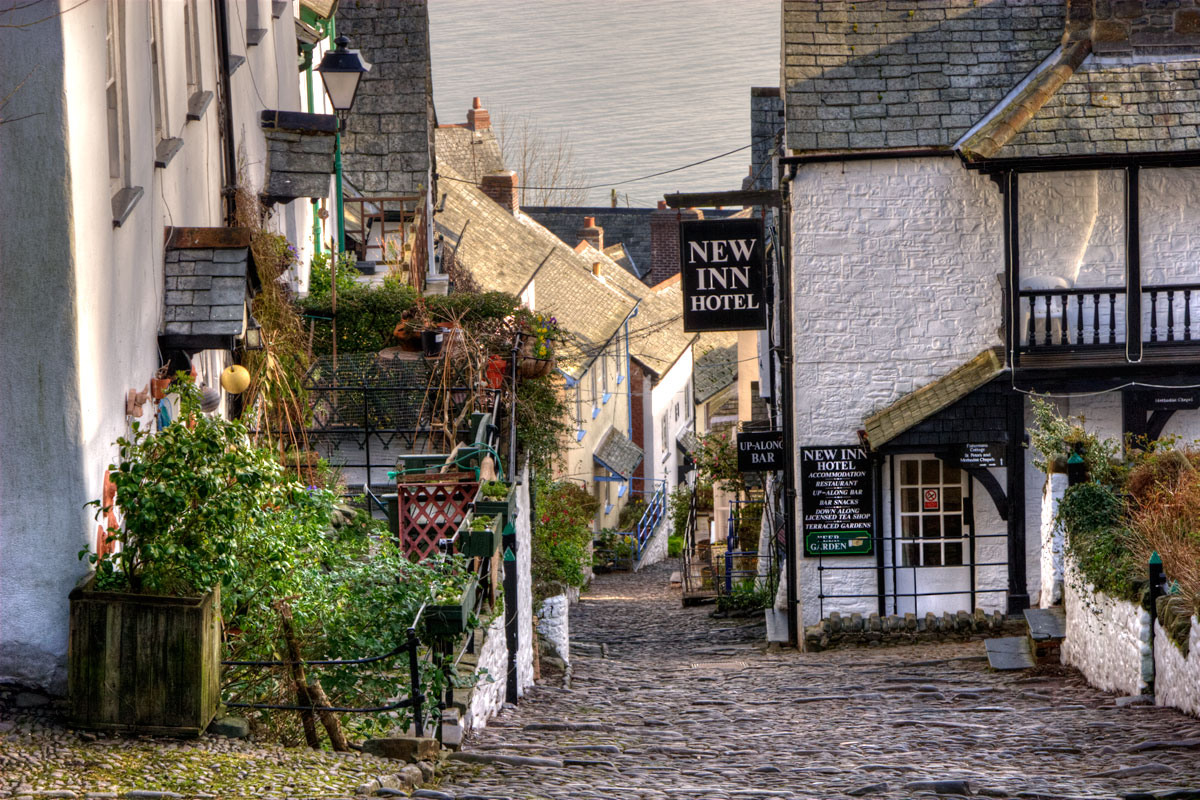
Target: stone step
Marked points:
1011	652
1046	624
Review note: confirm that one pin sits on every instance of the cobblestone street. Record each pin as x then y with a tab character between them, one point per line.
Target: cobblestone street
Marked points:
666	702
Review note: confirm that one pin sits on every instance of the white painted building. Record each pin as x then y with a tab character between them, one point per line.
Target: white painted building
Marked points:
979	194
113	131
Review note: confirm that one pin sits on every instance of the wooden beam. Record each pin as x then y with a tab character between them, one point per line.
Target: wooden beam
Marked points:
767	197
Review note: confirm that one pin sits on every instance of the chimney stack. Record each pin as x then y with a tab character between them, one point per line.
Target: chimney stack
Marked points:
664	241
501	186
591	233
478	118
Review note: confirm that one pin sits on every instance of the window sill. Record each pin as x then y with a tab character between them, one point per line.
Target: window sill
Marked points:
622	489
595	412
619	379
123	203
278	7
579	435
197	104
254	36
608	507
606	398
234	62
166	151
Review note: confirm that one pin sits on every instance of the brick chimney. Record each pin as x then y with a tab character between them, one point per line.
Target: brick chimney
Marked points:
1135	27
501	186
478	118
664	241
591	233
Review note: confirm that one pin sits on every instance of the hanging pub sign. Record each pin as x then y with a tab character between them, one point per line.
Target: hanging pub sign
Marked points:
759	451
836	497
723	275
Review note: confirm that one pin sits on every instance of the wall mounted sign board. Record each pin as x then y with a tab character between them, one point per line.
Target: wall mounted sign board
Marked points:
1172	399
759	451
837	500
723	275
980	455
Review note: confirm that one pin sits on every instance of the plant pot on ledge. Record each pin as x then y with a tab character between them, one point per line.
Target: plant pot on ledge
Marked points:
143	663
450	619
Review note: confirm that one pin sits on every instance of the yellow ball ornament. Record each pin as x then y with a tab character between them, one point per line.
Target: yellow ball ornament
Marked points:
235	379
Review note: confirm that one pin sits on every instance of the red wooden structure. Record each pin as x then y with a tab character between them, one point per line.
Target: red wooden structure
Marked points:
432	507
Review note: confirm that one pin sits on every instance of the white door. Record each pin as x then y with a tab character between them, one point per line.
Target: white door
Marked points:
930	567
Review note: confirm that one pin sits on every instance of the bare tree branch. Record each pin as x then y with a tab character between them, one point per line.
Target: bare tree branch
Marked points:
544	162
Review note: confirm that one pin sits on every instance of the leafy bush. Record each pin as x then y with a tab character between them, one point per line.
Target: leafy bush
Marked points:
675	545
367	314
561	535
494	490
1055	437
631	514
746	596
542	421
1092	515
716	462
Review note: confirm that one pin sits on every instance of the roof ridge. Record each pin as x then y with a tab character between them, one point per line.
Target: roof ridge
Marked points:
997	132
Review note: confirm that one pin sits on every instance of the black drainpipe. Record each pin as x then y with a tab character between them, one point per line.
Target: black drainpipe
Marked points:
228	190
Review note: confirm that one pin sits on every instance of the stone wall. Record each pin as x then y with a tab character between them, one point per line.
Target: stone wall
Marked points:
1176	669
389	135
521	520
871	630
1108	640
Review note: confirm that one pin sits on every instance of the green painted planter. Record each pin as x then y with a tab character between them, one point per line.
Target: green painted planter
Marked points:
506	507
451	620
480	543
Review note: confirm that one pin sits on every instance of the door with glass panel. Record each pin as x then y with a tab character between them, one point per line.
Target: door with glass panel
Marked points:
932	545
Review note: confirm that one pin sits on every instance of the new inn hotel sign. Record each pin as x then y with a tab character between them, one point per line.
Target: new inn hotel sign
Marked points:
722	269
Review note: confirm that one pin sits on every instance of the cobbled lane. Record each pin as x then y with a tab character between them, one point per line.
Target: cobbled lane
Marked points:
667	702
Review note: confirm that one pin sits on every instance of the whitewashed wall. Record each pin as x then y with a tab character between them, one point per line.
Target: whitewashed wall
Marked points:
82	303
488	696
524	585
1108	640
895	265
669	393
1177	678
554	626
1052	540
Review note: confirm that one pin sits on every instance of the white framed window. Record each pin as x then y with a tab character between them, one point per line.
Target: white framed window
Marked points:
930	512
114	91
158	84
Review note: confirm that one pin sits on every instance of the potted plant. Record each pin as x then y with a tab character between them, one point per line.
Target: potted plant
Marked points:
536	358
496	497
144	642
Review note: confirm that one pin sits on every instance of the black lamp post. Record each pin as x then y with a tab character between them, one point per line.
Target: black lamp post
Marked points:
341	70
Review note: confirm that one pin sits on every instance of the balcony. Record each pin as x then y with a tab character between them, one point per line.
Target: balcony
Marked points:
1096	326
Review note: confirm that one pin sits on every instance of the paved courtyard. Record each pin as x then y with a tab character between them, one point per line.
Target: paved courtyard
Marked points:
666	702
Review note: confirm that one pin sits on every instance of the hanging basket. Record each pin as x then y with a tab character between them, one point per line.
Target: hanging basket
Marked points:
529	365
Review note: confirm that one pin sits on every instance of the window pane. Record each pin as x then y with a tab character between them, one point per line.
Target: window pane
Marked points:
952	527
931	471
933	554
909	499
910	527
931	527
908	473
952	498
954	554
951	475
910	555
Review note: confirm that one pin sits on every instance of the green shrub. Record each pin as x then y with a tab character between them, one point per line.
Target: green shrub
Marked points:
1092	516
747	595
675	544
561	535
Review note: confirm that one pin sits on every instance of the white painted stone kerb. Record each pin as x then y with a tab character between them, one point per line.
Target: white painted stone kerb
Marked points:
1177	679
554	626
488	697
1108	640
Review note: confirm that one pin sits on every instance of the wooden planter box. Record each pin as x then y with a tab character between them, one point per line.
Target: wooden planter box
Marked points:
451	620
143	663
480	543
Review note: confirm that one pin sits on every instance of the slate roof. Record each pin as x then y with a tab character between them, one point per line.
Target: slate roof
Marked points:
620	255
206	281
656	335
897	73
1105	108
616	453
503	253
915	407
470	153
716	365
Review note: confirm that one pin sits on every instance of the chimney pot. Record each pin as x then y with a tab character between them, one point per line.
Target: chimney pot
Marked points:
501	186
596	268
591	233
662	204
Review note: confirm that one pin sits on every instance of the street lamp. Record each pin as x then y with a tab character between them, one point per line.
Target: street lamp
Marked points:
341	70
